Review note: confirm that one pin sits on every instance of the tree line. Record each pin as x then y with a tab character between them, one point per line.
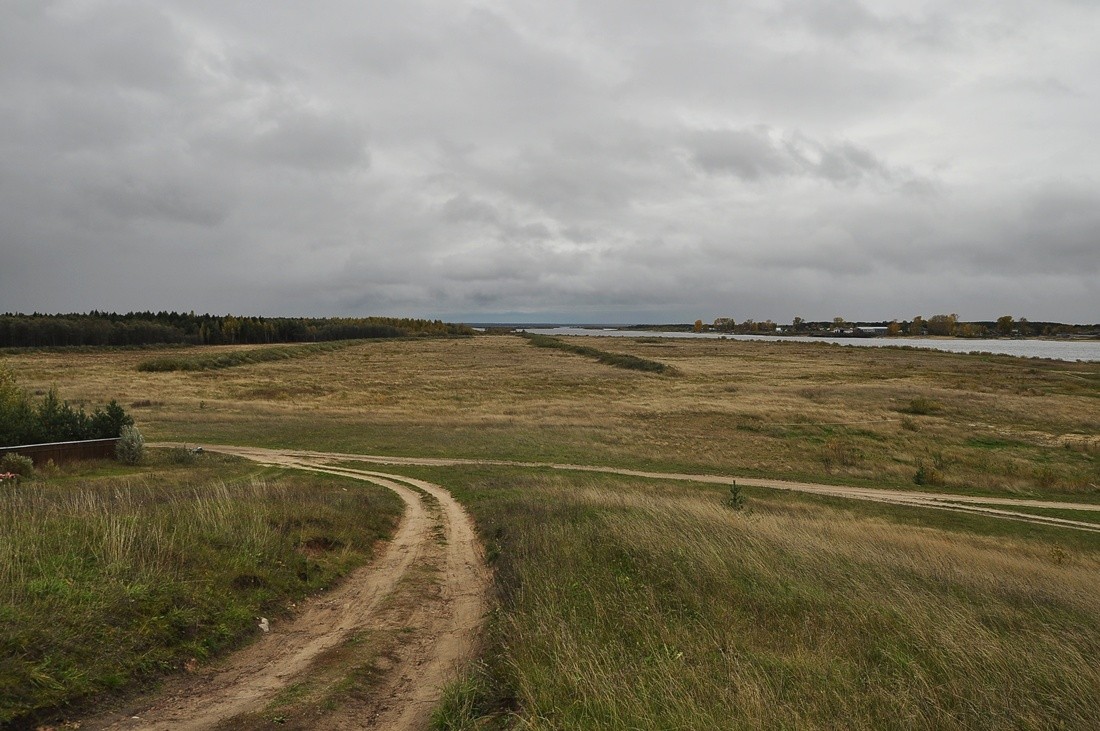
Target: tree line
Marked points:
153	328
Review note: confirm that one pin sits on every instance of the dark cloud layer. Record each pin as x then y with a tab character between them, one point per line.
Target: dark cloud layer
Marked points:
605	160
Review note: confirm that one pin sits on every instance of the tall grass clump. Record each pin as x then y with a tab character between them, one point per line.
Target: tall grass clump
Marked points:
627	605
105	583
619	360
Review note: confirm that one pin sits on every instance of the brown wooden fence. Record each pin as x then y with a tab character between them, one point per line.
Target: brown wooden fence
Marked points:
65	451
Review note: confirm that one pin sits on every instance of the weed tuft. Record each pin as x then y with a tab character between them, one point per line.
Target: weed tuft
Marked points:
922	407
840	453
180	456
927	475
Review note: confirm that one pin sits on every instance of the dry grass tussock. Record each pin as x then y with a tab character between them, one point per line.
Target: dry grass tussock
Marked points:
635	606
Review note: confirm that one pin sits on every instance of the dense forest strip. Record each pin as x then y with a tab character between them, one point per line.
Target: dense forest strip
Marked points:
148	328
234	358
619	360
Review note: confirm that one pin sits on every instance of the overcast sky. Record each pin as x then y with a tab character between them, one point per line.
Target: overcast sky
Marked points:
595	161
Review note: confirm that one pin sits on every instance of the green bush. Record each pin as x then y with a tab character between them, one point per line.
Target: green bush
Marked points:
17	464
131	446
736	498
23	421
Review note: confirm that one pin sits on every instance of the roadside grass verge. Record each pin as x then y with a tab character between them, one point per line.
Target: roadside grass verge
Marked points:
619	360
627	604
233	358
108	581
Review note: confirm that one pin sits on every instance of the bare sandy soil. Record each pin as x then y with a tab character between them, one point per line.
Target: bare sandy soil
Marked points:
439	634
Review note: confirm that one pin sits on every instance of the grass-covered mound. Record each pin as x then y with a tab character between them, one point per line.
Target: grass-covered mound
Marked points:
108	580
230	359
619	360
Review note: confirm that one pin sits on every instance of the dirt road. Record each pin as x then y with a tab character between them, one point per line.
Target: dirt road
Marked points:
995	507
438	627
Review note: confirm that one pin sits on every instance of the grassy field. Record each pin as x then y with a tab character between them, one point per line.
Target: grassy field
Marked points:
110	577
981	424
625	603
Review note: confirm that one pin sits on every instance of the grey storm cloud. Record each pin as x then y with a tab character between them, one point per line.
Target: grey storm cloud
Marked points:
755	153
614	159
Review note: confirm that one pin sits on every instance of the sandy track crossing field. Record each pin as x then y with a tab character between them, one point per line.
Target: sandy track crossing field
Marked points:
442	633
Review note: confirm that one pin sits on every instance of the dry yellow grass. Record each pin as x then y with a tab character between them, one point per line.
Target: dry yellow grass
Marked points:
785	409
628	604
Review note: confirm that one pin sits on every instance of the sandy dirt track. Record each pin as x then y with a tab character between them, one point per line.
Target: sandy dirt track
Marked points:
995	507
439	634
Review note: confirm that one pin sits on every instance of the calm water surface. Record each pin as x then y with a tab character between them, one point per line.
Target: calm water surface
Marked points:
1071	350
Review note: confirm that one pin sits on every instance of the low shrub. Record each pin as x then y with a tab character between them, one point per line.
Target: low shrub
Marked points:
180	455
131	446
921	407
17	464
736	498
840	453
927	475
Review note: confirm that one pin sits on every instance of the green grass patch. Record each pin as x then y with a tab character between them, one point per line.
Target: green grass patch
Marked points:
233	358
628	603
995	443
619	360
107	582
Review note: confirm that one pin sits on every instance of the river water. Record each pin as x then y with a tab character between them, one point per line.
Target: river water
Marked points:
1070	350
